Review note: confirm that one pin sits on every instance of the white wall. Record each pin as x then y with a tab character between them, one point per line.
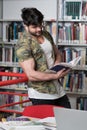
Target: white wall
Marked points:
1	18
12	8
0	9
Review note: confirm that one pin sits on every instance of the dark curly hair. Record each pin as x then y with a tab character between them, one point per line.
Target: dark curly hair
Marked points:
32	16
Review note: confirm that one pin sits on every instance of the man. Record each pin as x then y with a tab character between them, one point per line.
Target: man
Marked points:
36	53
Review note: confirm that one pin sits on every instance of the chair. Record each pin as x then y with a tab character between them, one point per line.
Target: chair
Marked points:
39	111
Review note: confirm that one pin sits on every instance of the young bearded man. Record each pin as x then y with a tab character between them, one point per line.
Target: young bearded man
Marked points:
36	53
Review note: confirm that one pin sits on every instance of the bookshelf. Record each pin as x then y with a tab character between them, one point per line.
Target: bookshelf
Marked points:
72	41
54	16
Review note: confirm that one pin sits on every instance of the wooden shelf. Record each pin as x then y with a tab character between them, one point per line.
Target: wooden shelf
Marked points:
14	88
13	42
72	20
9	64
76	93
70	44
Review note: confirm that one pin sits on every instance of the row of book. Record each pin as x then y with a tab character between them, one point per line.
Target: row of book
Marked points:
72	9
81	103
74	81
72	32
9	69
7	99
7	54
19	86
15	29
69	53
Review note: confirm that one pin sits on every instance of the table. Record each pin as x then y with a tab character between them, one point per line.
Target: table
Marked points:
35	124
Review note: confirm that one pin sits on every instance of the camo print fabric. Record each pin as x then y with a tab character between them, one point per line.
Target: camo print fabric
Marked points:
27	48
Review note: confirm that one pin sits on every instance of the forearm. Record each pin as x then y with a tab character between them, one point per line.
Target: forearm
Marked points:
41	76
33	75
46	76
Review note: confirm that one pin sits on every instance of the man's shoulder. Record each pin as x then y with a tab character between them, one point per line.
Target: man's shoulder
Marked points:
24	35
24	38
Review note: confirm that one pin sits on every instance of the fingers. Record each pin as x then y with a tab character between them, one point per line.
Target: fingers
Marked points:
63	72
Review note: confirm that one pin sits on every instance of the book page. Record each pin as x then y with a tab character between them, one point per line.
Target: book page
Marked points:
64	65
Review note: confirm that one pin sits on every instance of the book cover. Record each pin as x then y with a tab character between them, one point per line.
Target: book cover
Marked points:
65	65
0	54
84	8
61	9
73	9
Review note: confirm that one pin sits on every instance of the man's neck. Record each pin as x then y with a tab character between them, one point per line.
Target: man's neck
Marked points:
40	38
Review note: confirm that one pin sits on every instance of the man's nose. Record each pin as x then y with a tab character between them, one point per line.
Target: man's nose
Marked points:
39	28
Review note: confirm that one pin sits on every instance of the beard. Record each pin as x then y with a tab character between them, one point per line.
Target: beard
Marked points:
36	34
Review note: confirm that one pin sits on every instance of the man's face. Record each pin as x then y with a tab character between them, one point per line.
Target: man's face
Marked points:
35	30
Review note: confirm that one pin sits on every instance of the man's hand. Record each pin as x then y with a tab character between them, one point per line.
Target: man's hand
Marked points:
62	73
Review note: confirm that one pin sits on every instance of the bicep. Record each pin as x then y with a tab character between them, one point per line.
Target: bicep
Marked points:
28	66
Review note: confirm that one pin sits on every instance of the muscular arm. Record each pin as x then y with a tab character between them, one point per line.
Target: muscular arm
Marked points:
28	67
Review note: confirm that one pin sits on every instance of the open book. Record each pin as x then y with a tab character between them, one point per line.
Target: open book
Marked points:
65	65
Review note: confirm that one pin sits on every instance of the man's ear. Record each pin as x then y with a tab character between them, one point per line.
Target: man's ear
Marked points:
26	27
